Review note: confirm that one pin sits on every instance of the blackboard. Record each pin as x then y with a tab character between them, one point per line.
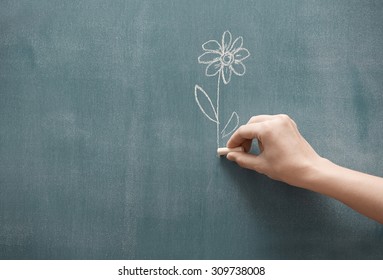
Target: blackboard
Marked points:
105	154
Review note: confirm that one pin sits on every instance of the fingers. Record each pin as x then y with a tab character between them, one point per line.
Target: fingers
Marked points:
246	160
243	134
246	143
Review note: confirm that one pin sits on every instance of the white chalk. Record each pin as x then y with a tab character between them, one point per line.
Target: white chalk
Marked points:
225	151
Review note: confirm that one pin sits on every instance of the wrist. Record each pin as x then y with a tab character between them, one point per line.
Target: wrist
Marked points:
316	171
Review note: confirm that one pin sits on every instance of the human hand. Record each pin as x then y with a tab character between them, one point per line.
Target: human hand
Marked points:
284	154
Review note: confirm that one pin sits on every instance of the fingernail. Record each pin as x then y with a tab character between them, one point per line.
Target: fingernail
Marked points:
229	156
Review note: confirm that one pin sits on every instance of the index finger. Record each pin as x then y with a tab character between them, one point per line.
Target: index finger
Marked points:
243	134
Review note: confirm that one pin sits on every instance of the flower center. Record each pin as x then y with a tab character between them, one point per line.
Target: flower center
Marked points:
227	59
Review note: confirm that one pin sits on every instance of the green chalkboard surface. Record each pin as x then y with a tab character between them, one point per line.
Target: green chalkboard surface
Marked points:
105	153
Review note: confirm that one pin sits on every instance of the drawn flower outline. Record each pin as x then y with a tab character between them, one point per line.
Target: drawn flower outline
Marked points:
225	58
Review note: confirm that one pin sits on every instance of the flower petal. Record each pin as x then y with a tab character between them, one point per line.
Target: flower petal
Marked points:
213	68
208	57
226	41
237	44
212	45
226	75
238	68
241	54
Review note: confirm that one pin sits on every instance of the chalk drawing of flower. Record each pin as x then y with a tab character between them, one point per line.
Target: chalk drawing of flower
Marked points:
225	58
222	59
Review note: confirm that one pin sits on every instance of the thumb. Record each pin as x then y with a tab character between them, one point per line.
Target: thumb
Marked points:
246	160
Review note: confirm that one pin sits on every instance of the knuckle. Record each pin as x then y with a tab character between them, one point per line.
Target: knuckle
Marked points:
241	128
253	119
294	123
285	119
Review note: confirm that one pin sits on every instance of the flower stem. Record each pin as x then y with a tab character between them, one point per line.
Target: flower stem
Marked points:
217	109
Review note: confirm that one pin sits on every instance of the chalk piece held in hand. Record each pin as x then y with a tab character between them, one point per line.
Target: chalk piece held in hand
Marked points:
225	151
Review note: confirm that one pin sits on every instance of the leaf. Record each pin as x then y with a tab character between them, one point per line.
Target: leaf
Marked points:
201	96
232	124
